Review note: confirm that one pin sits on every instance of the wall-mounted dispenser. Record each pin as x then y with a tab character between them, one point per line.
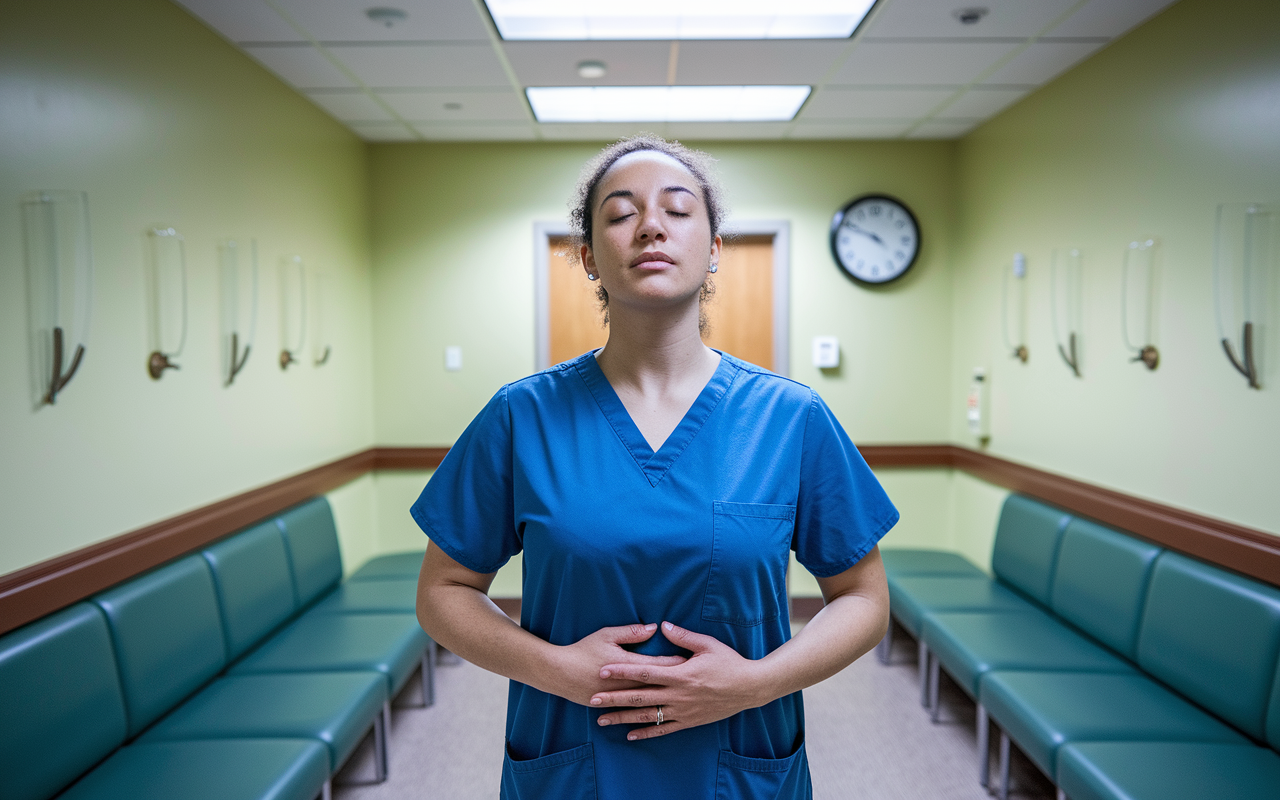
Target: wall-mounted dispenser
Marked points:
293	310
59	287
1244	247
1066	299
167	290
238	333
321	348
1138	281
1014	304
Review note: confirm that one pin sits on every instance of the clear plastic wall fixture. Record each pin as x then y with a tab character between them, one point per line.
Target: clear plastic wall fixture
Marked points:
321	349
1244	256
1137	301
293	310
167	287
1015	307
59	261
237	331
1066	301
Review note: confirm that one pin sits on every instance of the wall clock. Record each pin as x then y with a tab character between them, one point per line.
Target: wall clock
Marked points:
875	239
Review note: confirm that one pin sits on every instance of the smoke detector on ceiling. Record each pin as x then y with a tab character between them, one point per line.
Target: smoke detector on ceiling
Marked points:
386	16
970	16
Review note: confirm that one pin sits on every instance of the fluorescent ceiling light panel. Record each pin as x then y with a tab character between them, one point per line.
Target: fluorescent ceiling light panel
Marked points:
666	103
677	19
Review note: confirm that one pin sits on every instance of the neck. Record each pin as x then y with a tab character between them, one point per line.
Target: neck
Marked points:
650	348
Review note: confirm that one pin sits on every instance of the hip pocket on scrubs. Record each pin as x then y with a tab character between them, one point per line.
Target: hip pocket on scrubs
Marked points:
751	542
568	775
742	778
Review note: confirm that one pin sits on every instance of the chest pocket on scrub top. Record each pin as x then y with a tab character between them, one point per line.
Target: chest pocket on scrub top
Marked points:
750	548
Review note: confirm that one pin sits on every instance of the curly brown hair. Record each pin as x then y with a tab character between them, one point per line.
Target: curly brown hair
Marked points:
581	217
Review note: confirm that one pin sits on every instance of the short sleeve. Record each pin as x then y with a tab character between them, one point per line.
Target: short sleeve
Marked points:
841	511
467	507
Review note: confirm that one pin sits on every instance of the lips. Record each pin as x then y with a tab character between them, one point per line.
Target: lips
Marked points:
651	259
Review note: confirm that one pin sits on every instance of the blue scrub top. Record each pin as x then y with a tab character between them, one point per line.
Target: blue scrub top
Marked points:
613	533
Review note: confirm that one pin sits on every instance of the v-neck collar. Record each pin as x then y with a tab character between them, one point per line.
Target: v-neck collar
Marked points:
653	464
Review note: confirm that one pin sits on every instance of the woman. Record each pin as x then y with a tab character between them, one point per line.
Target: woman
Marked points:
656	488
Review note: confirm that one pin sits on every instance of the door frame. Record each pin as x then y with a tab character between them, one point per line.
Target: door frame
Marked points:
779	229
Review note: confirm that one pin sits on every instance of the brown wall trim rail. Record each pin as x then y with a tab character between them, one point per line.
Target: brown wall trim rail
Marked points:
40	589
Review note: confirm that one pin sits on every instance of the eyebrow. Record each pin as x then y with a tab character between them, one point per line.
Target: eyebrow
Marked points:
629	193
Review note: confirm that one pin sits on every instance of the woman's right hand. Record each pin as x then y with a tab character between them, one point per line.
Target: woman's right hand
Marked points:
578	665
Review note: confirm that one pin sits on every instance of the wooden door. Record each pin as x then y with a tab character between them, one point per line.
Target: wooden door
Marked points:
740	313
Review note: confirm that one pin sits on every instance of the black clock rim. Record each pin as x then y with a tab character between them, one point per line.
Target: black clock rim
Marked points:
839	218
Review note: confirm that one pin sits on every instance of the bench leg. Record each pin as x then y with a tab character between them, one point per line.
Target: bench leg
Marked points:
1004	766
326	791
935	677
984	747
381	730
429	675
886	645
1061	795
922	658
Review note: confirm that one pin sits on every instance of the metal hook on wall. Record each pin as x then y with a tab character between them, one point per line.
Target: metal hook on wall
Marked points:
60	379
229	267
1243	242
163	261
1019	271
1069	262
288	355
1141	251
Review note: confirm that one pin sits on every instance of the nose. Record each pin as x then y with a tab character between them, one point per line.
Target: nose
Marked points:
651	227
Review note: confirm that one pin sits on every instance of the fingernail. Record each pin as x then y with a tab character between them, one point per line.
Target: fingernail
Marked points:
652	626
595	701
604	673
632	737
604	721
667	626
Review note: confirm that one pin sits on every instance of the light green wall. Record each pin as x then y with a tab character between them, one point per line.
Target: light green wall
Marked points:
163	122
1144	139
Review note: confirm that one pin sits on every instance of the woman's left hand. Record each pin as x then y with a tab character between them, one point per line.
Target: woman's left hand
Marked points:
716	682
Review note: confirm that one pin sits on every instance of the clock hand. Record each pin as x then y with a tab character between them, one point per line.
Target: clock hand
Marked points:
865	232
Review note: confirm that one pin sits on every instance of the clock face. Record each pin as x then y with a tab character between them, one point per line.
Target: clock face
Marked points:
875	239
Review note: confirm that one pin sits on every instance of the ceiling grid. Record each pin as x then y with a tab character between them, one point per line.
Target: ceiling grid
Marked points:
440	70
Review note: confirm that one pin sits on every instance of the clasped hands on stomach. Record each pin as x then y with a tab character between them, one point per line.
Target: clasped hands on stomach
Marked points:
712	683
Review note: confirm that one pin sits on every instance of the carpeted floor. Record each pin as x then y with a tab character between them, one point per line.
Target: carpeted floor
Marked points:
868	737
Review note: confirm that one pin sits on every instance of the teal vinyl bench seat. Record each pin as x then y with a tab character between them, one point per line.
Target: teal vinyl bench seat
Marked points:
901	561
1168	771
389	596
223	769
396	566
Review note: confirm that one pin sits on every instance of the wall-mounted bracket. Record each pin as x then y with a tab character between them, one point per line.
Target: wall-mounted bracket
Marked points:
1069	354
238	358
1246	367
324	359
157	363
60	379
1149	355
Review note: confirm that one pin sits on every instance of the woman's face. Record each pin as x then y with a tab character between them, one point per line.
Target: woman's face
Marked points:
651	238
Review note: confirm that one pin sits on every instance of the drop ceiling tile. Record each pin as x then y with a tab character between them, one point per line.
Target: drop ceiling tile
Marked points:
1043	61
425	20
919	62
850	130
423	65
301	66
838	104
708	131
383	132
597	131
475	132
350	106
935	18
243	20
981	102
708	63
1109	18
431	106
943	129
556	63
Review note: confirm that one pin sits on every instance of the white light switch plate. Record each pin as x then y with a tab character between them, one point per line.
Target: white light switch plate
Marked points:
453	358
826	352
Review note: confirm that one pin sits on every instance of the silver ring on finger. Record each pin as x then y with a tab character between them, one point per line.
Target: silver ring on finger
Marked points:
659	710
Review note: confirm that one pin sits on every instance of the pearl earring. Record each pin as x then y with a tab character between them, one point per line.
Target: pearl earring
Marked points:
713	268
591	276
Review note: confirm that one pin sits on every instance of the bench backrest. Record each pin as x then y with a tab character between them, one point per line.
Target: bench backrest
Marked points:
168	637
312	543
1273	712
255	590
1100	583
61	709
1213	636
1026	545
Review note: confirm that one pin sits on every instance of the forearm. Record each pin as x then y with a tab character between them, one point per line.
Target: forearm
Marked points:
464	620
